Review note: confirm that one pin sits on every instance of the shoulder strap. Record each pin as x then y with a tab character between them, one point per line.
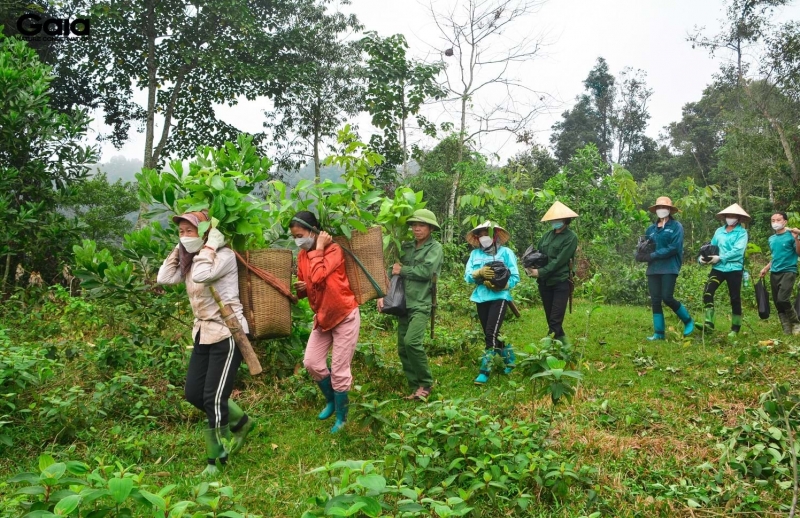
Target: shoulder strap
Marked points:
372	281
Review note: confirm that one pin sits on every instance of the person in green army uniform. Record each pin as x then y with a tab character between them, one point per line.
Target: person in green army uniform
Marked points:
559	245
420	260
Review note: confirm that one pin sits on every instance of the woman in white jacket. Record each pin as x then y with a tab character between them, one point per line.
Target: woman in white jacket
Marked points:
200	262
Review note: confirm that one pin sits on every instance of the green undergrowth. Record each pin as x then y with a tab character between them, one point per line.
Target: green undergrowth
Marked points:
671	428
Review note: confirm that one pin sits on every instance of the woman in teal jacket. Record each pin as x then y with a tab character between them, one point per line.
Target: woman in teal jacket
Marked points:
728	266
492	302
663	267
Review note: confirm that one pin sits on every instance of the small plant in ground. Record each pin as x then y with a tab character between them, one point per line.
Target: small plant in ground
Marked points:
115	491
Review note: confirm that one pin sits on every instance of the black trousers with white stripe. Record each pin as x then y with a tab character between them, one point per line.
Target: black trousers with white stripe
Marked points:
209	381
491	315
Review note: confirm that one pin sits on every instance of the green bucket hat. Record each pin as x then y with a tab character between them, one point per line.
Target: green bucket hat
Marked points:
424	216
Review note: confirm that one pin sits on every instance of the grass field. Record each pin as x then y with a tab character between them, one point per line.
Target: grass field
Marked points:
646	425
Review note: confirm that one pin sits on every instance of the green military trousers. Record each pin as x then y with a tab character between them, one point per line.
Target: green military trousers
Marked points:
411	330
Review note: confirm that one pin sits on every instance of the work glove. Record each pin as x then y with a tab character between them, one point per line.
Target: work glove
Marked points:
714	259
488	284
487	272
215	239
701	260
476	274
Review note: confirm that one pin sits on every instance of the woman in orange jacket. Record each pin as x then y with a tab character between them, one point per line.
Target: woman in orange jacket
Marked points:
322	278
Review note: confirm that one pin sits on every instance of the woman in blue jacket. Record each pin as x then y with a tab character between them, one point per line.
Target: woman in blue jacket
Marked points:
492	301
728	266
663	267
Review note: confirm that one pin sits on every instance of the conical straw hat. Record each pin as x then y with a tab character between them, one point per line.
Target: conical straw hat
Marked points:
734	210
558	211
501	234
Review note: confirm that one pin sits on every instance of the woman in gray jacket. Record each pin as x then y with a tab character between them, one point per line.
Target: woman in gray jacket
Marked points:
200	262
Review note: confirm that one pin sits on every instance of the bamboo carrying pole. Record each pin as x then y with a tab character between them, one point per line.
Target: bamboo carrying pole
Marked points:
253	365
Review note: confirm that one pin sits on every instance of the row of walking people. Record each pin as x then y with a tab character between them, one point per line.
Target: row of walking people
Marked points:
201	261
727	261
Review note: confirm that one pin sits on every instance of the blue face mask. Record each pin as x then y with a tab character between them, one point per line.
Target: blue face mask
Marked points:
557	224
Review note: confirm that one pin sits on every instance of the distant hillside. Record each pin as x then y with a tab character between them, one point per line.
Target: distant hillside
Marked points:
120	168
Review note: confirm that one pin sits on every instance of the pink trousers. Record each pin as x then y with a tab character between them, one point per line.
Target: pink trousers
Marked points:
341	341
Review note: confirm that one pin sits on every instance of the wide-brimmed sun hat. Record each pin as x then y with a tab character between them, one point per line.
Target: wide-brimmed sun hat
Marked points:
501	235
559	211
664	201
424	216
194	217
734	210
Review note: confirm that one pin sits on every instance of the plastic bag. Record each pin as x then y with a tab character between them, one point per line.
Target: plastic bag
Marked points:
762	300
644	248
533	258
501	274
394	303
707	250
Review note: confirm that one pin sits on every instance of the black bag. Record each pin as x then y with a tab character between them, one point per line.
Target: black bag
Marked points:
707	250
533	258
762	300
501	274
644	248
394	303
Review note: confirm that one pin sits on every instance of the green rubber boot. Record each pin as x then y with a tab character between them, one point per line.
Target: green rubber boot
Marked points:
486	367
708	320
509	358
736	325
659	327
326	388
342	406
564	340
243	425
688	322
215	449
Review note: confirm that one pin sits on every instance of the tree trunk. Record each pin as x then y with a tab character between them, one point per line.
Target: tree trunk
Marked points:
316	152
151	85
771	192
403	135
451	207
150	33
739	190
8	267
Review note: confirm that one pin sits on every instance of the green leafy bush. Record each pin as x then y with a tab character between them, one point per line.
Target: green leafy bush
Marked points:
70	489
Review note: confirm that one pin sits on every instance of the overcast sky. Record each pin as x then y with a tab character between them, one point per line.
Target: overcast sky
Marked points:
645	34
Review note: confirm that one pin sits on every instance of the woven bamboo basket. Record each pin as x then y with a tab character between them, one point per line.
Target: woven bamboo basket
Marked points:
368	247
268	312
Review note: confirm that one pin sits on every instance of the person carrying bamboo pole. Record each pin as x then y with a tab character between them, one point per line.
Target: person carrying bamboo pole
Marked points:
323	279
201	262
491	298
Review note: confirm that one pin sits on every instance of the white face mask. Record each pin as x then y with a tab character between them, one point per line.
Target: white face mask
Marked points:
777	226
304	242
192	244
731	221
662	213
485	241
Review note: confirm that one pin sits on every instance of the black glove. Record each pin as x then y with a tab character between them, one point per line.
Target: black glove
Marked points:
642	257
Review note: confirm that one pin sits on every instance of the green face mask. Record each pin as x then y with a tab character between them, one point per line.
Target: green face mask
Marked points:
557	224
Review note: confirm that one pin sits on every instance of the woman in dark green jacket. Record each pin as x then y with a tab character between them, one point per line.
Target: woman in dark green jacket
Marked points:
663	267
559	245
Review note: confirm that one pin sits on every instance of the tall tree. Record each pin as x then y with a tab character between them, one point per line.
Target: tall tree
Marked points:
326	88
40	154
578	127
188	58
601	86
397	88
474	34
